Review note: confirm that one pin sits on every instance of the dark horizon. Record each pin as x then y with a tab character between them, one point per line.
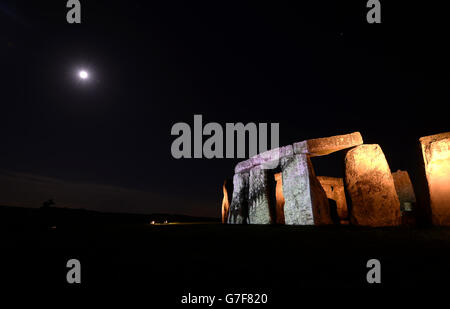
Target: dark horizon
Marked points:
317	69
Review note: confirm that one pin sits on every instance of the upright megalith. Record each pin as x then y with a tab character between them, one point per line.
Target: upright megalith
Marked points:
238	212
305	199
371	189
405	191
326	145
258	197
334	189
436	157
225	201
279	197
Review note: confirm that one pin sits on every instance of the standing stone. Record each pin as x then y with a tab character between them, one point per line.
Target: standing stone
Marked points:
239	204
404	189
436	157
305	199
225	203
370	185
279	208
258	198
334	189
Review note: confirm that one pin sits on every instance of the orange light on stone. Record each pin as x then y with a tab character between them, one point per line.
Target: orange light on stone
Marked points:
334	189
405	190
370	185
279	208
225	203
325	145
436	156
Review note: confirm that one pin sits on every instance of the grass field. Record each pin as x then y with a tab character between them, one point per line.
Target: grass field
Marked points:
216	255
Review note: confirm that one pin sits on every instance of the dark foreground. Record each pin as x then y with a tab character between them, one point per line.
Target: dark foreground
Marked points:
169	260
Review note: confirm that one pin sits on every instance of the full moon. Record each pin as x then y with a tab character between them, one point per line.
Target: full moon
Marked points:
83	74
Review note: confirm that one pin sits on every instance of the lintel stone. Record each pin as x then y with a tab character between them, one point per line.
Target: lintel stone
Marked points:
326	145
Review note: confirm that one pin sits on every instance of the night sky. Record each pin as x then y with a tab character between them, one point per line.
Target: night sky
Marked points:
318	69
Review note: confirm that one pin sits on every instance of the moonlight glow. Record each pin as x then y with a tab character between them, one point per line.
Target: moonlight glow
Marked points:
83	74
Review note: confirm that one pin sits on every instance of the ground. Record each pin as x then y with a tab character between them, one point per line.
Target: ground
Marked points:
164	262
211	255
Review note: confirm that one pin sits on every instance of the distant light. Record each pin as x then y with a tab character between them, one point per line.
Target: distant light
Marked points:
83	74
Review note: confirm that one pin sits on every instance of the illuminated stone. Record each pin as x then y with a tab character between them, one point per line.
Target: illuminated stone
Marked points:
225	203
271	159
334	189
436	157
326	145
268	159
279	207
300	198
258	197
239	203
404	188
243	166
305	200
370	186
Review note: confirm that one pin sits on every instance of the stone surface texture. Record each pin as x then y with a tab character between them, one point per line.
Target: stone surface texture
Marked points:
243	166
334	189
305	200
371	189
279	207
326	145
239	203
270	159
258	199
436	157
225	203
405	190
